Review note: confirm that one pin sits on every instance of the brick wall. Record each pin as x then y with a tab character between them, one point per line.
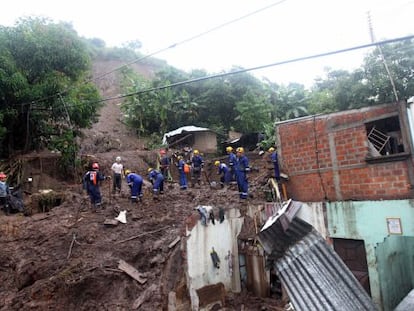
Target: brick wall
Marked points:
325	158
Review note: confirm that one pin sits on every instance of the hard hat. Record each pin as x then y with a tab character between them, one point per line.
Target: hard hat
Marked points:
95	166
127	172
179	157
229	149
196	151
2	175
240	149
118	159
150	169
162	151
217	163
271	149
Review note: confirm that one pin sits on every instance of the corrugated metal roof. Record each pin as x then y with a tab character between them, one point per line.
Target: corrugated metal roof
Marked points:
314	276
407	304
188	128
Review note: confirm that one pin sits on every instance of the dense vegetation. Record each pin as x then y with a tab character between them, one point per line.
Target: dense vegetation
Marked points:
244	103
47	95
43	96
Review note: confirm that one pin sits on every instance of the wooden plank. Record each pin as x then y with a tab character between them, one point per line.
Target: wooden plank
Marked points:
111	222
173	243
131	271
144	296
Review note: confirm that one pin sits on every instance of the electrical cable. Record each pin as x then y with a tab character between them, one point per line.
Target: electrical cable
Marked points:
294	60
169	47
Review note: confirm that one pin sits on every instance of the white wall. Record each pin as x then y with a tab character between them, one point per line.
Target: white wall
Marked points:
201	239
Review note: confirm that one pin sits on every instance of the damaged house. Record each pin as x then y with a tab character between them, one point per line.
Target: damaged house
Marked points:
196	137
353	171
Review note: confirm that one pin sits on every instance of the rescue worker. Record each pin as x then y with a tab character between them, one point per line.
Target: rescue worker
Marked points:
117	169
183	176
224	171
231	162
157	181
134	182
91	183
275	162
165	163
242	169
197	164
4	193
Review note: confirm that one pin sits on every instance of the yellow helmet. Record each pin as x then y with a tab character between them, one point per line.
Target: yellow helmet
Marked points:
271	149
150	169
217	163
229	149
196	151
240	149
127	172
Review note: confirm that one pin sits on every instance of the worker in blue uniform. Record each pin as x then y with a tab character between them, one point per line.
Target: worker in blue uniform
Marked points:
157	180
232	159
134	182
242	169
275	162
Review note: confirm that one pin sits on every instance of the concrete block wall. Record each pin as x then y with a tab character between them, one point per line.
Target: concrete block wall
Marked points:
325	158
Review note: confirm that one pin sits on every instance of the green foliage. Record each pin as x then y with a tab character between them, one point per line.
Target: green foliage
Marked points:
243	103
42	66
67	146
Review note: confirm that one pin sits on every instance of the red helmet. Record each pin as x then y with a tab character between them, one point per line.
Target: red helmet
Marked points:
95	166
162	151
2	175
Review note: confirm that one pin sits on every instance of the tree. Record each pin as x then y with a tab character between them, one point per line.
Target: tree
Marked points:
41	90
400	60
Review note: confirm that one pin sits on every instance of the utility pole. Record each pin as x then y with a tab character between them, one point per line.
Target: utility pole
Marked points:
371	32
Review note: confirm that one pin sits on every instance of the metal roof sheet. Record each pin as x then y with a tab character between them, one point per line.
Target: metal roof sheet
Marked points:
314	276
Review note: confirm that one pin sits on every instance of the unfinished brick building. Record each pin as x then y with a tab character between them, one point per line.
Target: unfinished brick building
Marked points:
353	155
354	170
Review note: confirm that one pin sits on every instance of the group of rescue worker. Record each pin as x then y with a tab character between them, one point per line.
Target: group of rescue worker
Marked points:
236	168
92	179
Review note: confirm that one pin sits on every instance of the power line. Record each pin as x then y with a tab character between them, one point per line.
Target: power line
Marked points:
192	37
168	47
294	60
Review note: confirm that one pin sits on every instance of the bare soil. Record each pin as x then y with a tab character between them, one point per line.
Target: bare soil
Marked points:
68	259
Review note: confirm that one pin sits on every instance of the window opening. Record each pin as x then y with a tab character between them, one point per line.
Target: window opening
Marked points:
384	137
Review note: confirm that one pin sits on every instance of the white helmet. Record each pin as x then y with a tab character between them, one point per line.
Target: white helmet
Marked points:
118	159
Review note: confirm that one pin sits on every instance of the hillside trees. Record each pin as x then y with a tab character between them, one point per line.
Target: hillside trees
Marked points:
42	93
244	103
368	85
238	102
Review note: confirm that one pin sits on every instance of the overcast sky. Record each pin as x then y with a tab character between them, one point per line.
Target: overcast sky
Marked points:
286	29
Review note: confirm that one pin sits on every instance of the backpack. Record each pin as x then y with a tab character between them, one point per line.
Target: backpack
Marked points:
186	168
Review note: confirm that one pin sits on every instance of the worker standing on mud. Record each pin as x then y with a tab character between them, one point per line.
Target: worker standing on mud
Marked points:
242	168
224	171
4	193
197	164
91	183
181	165
231	162
117	169
165	162
275	162
134	182
157	181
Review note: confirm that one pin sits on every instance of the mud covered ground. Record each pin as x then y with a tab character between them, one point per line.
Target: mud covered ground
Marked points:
68	259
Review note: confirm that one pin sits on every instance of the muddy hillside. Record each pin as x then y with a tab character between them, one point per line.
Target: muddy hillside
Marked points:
64	255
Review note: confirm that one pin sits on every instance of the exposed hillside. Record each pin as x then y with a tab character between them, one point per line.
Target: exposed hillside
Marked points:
68	259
